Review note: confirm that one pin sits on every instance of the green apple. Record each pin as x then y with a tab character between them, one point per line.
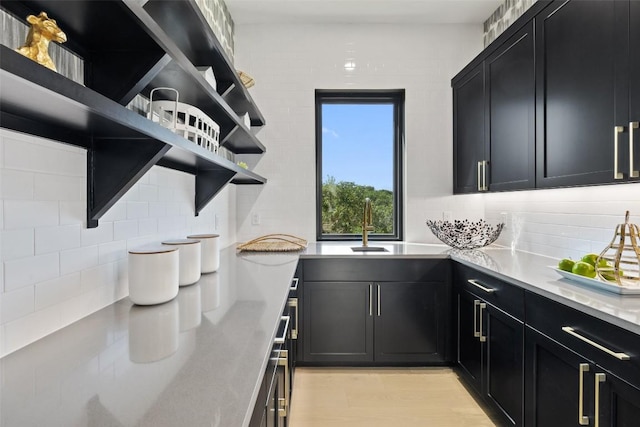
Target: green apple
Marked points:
583	268
566	264
590	259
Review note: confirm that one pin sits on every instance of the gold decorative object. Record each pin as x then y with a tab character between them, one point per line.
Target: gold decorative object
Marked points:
246	79
274	243
620	261
43	30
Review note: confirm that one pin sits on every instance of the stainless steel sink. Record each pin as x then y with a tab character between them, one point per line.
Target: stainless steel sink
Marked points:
368	249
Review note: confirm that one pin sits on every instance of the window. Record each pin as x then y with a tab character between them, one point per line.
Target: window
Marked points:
359	142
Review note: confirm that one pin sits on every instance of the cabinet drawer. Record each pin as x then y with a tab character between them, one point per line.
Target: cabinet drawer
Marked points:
370	270
550	317
502	295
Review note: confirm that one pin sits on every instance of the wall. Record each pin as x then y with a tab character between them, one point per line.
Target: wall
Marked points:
560	223
288	62
54	270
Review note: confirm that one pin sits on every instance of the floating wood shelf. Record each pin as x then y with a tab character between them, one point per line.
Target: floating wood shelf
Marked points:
121	144
148	50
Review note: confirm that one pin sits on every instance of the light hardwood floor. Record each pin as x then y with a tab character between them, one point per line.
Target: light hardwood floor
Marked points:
372	397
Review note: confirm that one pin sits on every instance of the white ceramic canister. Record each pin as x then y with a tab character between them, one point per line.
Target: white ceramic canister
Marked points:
190	255
153	274
210	251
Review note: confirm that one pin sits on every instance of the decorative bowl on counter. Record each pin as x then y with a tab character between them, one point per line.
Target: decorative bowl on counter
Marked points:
465	234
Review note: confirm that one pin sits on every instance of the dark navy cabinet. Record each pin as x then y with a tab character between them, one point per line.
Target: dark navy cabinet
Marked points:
490	340
369	318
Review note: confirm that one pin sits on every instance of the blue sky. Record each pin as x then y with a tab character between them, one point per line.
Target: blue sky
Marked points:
357	144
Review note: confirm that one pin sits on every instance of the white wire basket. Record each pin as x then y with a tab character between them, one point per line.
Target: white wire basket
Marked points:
185	120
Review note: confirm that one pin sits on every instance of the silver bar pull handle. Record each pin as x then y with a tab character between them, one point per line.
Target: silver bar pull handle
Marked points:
572	332
600	378
582	419
479	286
294	284
476	304
632	173
616	173
483	338
281	340
293	303
379	311
484	176
479	176
370	299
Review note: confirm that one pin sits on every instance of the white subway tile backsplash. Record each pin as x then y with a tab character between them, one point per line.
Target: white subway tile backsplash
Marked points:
16	304
28	271
23	213
24	153
73	213
55	239
148	226
117	212
29	328
17	243
137	210
101	234
123	230
149	193
57	290
112	251
59	187
78	259
100	276
55	270
17	185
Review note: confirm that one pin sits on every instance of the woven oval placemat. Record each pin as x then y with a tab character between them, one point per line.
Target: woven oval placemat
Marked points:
274	243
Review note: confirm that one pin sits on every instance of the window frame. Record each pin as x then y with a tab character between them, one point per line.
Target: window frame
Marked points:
365	96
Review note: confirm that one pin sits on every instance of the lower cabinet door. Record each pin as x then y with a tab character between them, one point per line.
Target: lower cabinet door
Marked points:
504	364
617	403
559	384
411	322
469	356
338	322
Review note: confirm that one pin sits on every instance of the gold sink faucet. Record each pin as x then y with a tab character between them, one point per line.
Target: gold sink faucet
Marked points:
367	222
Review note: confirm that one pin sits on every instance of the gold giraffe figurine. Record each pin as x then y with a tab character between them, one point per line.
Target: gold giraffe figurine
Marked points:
43	30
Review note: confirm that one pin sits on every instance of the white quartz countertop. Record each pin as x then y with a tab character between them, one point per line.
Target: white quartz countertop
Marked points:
199	359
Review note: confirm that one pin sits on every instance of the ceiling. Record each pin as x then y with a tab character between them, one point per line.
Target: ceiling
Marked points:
362	11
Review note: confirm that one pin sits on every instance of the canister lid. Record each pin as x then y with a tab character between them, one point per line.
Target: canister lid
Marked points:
203	236
151	249
180	242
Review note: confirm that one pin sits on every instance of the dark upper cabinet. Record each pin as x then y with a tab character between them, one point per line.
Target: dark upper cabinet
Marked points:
510	114
494	120
561	91
627	69
468	132
576	75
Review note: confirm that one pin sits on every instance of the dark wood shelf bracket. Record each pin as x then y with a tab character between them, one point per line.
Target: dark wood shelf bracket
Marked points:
208	184
113	167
